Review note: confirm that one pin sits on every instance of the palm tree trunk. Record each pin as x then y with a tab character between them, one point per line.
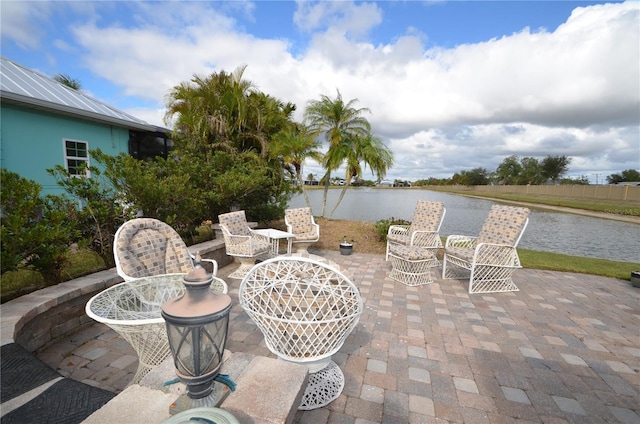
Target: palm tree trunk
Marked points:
344	190
304	192
327	176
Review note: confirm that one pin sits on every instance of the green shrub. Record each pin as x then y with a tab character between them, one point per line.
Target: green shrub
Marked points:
382	226
100	212
35	231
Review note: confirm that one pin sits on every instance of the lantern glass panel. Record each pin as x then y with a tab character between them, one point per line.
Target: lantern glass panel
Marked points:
198	350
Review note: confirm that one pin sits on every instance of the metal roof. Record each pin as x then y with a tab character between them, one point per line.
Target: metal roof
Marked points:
27	87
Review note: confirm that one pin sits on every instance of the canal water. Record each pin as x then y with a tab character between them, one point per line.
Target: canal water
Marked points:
547	231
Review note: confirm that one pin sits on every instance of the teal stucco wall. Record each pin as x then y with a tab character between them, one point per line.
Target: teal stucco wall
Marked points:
31	141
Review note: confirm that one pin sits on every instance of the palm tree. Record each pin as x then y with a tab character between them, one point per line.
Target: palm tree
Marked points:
69	81
338	121
369	150
266	117
294	146
211	111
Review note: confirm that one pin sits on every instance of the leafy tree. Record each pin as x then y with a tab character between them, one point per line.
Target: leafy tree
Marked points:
349	137
158	188
581	180
509	170
458	179
432	181
628	175
530	173
53	236
554	167
477	176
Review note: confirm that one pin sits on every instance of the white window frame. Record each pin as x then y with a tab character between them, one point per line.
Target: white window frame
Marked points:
68	158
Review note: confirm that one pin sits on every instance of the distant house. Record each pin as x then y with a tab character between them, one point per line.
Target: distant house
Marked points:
44	123
385	183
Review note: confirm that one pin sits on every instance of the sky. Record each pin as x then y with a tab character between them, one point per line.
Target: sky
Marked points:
449	85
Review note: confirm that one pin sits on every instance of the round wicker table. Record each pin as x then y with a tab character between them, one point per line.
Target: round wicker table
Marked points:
132	309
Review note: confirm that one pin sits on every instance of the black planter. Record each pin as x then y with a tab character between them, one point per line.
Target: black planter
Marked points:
635	278
346	249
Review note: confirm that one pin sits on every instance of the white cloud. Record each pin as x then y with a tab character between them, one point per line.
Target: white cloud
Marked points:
21	22
573	91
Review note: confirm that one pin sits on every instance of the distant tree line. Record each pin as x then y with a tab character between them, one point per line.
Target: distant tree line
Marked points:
513	171
626	176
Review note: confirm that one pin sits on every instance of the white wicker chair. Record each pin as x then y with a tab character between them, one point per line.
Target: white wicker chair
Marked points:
300	222
144	247
492	256
241	242
424	229
305	310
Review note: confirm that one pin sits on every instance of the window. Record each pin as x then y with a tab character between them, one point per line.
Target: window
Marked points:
76	155
145	145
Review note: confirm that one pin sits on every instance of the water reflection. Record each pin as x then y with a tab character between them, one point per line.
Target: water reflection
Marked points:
547	231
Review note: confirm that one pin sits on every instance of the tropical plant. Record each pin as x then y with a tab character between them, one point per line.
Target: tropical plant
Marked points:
382	226
223	132
69	81
355	151
349	137
294	146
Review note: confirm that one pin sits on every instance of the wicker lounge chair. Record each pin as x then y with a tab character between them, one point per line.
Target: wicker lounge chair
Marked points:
300	222
491	257
241	242
424	228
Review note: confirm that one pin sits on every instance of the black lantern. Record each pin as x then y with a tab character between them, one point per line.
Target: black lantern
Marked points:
197	324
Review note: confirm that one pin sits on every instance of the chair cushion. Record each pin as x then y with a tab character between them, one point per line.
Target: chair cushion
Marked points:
411	253
307	235
427	216
236	223
300	220
503	225
251	247
146	246
399	238
464	253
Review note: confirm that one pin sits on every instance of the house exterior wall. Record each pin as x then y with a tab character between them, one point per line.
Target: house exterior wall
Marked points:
31	141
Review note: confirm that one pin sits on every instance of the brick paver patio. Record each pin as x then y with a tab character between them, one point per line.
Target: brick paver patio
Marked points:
563	349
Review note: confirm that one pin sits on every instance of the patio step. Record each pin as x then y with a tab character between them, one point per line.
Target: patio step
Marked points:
268	391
